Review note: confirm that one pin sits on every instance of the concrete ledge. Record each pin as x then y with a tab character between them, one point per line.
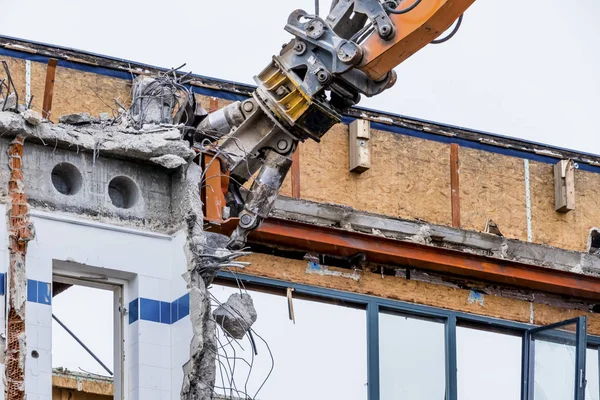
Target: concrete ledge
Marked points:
469	242
101	139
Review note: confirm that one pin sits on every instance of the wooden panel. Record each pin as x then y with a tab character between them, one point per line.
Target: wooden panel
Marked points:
17	72
77	91
492	186
568	231
360	147
390	287
564	186
408	178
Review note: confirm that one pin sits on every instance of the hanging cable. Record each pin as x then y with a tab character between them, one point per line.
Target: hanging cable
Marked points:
403	11
451	34
316	7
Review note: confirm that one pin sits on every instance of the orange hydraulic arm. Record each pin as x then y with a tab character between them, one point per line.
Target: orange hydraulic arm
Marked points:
414	30
302	93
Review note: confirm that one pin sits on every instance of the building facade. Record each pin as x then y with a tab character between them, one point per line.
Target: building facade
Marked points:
428	273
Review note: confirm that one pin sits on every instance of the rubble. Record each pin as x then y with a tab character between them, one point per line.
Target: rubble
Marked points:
199	372
169	161
236	315
104	117
108	140
33	117
8	103
153	101
76	119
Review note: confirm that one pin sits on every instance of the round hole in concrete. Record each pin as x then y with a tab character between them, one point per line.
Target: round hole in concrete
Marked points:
123	192
35	354
66	178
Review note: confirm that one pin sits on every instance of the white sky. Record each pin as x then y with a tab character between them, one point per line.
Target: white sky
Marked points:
88	313
527	69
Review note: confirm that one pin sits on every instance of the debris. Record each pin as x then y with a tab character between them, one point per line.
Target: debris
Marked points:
170	161
492	228
161	100
153	101
33	117
76	119
9	103
101	139
104	117
236	315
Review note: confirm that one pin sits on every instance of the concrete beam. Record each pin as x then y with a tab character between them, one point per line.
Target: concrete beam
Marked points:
468	242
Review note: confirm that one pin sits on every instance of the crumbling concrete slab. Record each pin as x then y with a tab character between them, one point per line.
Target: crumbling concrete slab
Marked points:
104	140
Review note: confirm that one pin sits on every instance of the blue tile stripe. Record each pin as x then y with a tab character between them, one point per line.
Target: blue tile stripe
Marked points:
162	312
39	292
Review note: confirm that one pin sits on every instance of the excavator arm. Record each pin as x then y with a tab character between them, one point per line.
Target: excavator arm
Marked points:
303	92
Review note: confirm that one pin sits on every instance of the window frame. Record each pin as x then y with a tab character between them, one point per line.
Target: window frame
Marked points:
451	319
118	287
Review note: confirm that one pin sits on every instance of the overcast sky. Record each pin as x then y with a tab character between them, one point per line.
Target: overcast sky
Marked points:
527	69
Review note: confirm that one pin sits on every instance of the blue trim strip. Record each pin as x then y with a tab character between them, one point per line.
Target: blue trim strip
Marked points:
39	292
2	284
451	359
134	311
373	351
226	95
161	312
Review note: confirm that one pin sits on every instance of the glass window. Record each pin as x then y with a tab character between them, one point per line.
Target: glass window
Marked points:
554	352
592	388
411	358
488	364
321	356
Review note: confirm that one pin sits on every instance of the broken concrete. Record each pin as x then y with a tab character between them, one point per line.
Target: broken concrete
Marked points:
104	117
76	119
237	315
9	103
107	140
20	232
33	117
206	254
169	161
470	242
199	371
153	101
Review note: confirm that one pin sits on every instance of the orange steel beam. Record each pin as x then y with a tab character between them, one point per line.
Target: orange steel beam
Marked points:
325	240
214	188
415	29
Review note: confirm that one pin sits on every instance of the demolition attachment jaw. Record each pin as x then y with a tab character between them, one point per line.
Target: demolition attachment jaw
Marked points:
302	93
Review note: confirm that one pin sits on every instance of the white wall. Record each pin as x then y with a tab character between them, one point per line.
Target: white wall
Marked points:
151	266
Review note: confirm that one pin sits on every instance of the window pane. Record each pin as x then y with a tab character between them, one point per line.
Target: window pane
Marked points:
322	356
411	358
554	364
489	365
592	388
